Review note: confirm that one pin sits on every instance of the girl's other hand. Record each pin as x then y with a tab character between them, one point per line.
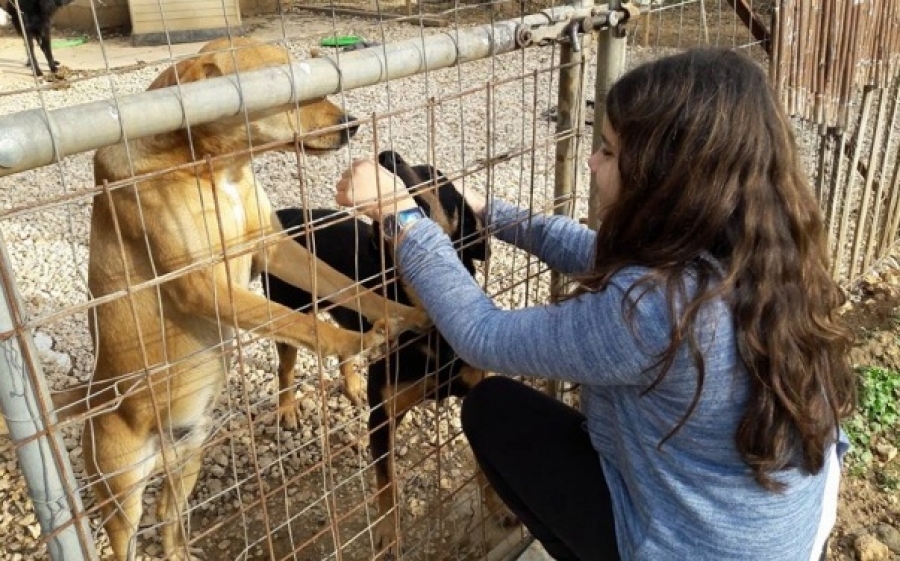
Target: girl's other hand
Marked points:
476	201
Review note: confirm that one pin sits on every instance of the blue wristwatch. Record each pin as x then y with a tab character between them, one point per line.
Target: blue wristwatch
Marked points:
393	224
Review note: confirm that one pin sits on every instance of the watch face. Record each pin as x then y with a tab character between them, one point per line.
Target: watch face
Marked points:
408	216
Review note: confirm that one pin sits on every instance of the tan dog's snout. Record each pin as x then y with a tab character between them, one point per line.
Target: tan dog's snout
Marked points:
352	126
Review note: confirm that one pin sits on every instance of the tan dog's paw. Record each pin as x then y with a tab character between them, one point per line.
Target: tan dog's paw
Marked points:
287	416
186	554
416	320
354	387
377	340
387	540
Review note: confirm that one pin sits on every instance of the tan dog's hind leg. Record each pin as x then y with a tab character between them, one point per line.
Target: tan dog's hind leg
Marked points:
287	402
119	461
174	500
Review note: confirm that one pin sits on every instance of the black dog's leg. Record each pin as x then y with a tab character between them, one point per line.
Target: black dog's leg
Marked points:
32	59
389	404
46	48
380	431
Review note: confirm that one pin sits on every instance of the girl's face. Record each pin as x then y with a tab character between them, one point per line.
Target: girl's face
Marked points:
604	164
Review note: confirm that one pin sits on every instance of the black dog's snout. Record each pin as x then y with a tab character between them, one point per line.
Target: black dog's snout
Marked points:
352	128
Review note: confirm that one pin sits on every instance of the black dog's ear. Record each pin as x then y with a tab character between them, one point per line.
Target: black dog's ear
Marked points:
391	160
395	164
468	227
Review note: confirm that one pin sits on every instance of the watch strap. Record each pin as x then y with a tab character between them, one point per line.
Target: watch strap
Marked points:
393	224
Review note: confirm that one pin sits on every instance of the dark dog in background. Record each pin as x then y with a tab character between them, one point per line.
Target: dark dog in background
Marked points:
421	366
32	19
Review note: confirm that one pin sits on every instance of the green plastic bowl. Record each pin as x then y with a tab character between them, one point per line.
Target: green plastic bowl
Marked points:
68	42
340	41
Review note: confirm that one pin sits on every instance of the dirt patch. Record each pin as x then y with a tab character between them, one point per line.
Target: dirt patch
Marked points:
869	508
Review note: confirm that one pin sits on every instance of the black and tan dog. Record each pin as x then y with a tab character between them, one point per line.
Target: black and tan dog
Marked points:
422	366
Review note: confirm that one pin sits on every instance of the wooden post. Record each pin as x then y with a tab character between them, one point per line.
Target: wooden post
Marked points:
569	123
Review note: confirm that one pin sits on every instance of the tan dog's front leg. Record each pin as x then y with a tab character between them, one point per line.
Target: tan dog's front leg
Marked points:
293	263
198	295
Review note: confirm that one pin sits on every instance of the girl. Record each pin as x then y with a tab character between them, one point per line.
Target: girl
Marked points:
702	328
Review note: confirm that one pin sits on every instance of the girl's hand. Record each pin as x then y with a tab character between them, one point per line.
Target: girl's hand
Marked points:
373	190
476	201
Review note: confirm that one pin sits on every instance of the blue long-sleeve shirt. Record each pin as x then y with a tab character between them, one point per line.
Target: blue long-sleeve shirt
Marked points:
694	497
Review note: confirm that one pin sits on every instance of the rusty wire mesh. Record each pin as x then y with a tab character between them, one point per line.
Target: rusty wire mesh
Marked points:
265	492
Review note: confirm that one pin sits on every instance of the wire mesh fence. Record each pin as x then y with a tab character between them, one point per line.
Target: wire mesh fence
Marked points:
156	343
161	379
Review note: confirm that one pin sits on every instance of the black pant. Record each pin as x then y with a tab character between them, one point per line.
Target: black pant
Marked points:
536	453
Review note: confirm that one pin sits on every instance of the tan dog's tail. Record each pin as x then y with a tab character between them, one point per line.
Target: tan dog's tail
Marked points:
70	403
67	403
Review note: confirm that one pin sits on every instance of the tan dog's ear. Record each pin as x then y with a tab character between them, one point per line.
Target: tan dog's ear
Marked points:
191	70
202	70
169	76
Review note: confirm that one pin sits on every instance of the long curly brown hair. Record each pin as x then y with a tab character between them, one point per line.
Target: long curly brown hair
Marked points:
709	167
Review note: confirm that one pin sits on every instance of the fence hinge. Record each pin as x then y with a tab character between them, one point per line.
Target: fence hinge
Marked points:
570	29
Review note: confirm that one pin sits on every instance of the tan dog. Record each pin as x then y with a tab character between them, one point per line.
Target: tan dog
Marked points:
171	257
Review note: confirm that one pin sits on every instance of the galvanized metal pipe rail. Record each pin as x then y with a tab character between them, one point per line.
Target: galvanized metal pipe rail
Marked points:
27	416
37	137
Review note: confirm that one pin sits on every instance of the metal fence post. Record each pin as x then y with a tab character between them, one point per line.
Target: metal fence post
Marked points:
43	459
610	65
